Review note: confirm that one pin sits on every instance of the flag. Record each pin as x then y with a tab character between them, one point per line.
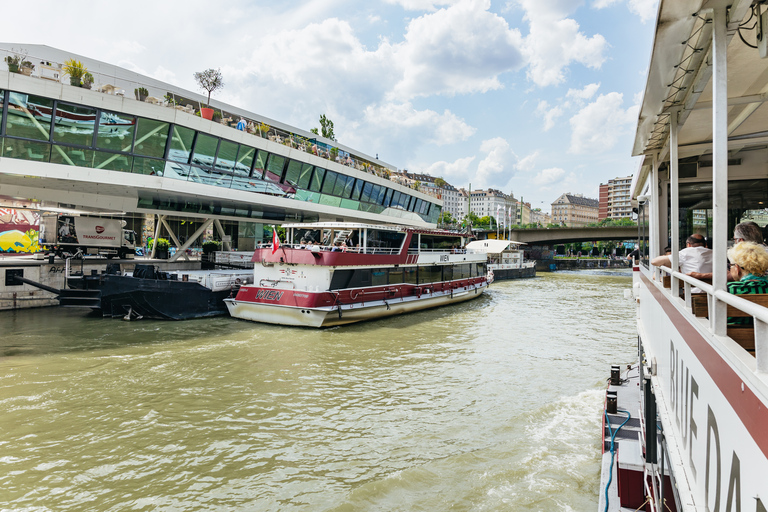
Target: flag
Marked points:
275	241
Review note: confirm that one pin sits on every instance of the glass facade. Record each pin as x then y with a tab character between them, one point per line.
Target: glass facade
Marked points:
46	130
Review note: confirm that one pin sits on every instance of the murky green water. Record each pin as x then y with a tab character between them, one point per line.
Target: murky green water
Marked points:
488	405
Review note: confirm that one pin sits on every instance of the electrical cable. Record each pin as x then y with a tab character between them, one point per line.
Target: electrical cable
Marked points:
613	450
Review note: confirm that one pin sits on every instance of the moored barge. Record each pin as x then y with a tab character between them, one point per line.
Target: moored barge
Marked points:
331	274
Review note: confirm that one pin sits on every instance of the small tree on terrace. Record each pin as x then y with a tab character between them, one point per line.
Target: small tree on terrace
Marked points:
326	126
209	80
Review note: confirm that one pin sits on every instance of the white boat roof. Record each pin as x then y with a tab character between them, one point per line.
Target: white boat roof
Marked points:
492	246
680	80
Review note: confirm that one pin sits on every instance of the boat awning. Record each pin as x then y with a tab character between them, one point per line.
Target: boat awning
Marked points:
679	83
492	246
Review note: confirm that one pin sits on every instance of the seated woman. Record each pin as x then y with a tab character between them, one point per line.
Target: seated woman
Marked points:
749	263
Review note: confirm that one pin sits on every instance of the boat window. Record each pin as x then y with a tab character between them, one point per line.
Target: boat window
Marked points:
409	275
274	171
387	198
181	144
151	138
317	179
2	104
447	272
479	269
30	120
329	182
413	246
389	240
395	276
430	274
205	150
260	166
462	271
313	235
116	131
378	277
227	156
437	242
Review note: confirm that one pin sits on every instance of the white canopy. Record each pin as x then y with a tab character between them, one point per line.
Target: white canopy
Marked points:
492	246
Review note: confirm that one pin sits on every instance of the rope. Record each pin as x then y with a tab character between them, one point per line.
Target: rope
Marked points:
613	451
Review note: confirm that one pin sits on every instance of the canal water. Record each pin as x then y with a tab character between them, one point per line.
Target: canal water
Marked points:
488	405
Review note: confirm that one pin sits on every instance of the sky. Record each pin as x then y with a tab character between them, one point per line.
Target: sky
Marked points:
531	97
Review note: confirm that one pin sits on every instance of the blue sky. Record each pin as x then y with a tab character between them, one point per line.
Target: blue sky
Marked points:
534	97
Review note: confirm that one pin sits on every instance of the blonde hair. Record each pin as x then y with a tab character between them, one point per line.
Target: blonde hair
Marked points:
749	256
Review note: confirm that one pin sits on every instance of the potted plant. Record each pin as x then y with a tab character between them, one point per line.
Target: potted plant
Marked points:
263	129
163	245
75	69
87	80
209	80
334	153
211	246
14	61
141	93
27	68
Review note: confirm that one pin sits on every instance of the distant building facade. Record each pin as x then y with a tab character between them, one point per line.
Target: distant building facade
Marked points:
575	210
614	199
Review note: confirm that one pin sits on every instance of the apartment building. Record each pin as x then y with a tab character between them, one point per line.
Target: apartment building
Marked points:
614	199
575	210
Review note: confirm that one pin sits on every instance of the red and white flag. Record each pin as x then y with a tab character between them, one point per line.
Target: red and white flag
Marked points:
275	241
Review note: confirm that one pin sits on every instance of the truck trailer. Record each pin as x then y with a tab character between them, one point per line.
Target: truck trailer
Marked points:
70	236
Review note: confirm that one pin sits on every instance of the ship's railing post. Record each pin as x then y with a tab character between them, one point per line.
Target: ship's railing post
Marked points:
761	345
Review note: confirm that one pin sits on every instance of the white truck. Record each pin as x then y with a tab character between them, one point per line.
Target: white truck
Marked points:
73	236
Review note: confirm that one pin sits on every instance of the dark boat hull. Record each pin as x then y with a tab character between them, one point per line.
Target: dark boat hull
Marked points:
161	299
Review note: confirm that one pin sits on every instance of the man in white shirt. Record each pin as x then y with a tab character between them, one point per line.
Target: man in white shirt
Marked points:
694	260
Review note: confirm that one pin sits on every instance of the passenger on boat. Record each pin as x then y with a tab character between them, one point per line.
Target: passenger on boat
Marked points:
749	263
695	260
336	247
747	232
303	244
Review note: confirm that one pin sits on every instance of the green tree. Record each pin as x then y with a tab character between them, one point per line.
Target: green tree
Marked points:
326	128
440	182
446	218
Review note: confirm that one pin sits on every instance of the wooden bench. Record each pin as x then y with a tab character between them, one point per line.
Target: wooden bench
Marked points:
744	336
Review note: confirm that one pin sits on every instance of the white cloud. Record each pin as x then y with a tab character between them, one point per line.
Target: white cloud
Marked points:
550	115
583	94
548	177
420	5
528	162
597	127
457	50
555	41
602	4
458	172
646	9
402	120
498	164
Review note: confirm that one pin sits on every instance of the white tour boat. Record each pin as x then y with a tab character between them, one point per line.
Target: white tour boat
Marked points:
338	273
694	407
506	259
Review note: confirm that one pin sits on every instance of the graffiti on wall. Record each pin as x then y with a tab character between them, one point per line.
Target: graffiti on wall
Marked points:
19	230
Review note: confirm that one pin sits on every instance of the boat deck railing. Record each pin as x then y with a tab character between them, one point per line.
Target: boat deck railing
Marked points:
716	299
